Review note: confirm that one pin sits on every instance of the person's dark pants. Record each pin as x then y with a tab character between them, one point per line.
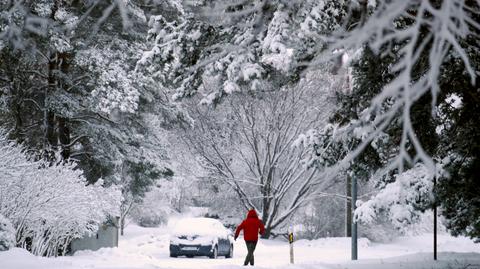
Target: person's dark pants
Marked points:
251	248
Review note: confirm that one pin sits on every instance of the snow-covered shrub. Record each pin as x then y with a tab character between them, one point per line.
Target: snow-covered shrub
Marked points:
150	217
50	205
381	230
401	200
7	234
151	220
425	225
167	196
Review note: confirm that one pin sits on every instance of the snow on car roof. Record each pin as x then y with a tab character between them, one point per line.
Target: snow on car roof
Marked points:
199	226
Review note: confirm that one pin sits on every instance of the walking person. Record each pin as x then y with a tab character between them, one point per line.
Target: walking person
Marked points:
251	226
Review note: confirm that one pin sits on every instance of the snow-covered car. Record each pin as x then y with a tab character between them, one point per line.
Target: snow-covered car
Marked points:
201	237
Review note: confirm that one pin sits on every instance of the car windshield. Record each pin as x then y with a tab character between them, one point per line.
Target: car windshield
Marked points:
199	227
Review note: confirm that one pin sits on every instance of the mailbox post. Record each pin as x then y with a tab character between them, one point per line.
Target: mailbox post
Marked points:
290	240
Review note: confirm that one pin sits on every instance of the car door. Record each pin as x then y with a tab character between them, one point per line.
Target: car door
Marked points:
223	245
226	241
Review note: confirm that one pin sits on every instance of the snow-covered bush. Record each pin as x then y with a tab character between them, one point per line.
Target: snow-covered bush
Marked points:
50	205
425	224
7	234
167	196
380	230
150	217
400	200
153	219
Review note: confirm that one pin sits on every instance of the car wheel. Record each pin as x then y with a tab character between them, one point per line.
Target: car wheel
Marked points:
230	252
215	253
189	256
173	255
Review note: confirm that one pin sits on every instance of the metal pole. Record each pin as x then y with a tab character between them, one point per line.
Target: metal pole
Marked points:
354	223
434	220
348	207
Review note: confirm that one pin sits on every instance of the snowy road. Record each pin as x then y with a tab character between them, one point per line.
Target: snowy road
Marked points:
148	248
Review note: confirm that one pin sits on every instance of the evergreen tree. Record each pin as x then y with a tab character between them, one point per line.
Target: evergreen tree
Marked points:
446	125
214	48
459	127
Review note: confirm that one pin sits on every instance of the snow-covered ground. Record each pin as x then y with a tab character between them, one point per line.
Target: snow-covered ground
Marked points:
148	248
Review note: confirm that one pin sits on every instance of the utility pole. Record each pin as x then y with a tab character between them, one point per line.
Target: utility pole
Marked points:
354	223
434	219
348	207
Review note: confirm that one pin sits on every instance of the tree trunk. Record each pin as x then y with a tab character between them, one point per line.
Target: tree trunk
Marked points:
268	233
18	122
124	210
57	126
50	136
64	136
348	207
49	121
50	129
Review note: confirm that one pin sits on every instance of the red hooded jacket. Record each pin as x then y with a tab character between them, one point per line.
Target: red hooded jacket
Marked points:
251	227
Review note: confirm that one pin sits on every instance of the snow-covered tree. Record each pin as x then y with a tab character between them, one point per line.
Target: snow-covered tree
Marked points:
50	205
216	48
458	149
69	85
136	179
422	35
167	196
249	145
73	76
7	234
418	46
41	39
402	200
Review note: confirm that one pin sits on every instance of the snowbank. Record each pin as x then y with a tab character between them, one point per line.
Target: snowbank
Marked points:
446	260
333	242
18	258
143	248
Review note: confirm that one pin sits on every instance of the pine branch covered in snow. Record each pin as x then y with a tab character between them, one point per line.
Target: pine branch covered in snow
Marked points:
421	33
237	46
399	71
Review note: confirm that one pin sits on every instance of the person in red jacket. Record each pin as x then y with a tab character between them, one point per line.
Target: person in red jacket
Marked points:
251	227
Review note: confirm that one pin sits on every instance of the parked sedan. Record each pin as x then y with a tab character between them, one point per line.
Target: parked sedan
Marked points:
201	237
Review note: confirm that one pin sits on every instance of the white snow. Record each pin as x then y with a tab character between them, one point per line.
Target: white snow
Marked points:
148	248
199	226
454	100
202	231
